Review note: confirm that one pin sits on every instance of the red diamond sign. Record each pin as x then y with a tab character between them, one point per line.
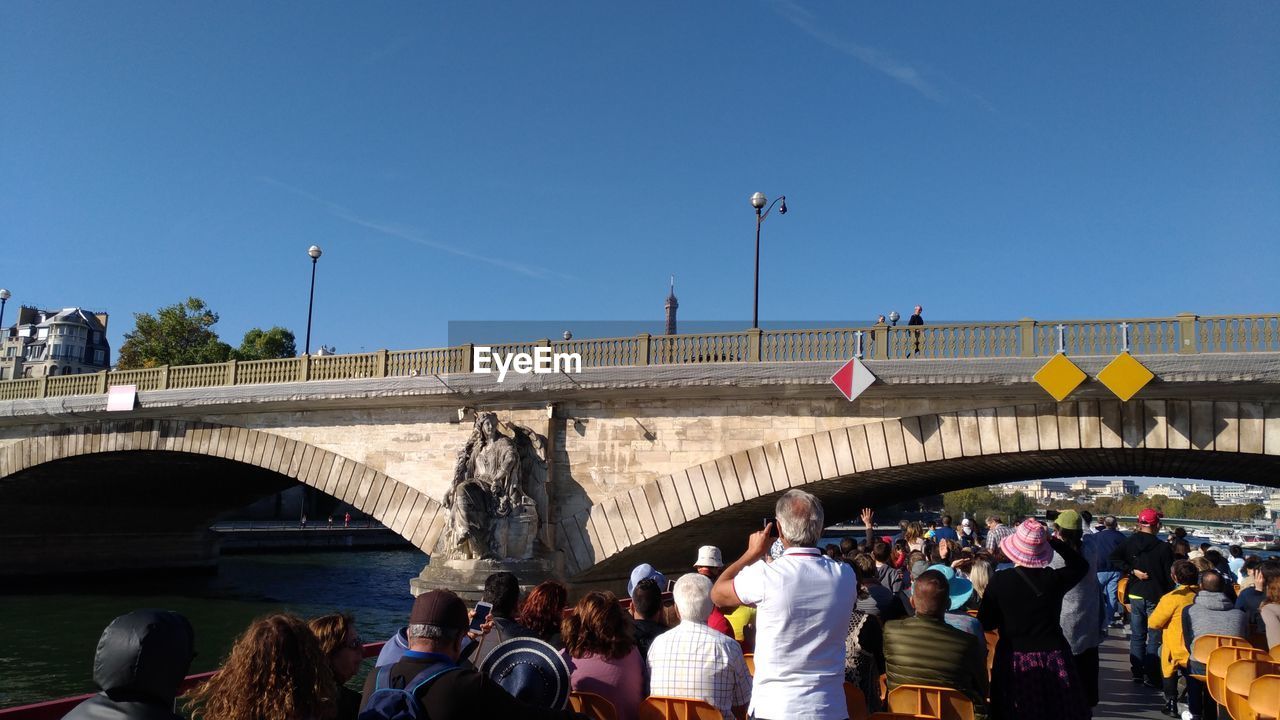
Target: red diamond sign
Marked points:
852	378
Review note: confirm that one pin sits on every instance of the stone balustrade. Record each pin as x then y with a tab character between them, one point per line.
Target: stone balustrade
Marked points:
1181	334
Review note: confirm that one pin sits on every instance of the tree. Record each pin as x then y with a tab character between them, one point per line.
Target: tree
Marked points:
180	334
259	344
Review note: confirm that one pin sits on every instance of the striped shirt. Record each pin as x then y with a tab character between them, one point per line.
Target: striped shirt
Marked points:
692	660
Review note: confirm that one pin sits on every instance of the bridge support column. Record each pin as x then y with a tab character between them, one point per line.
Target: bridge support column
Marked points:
1187	333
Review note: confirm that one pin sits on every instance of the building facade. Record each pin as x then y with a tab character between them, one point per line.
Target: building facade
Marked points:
46	343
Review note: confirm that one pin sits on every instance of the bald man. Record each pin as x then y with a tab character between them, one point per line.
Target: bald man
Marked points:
925	650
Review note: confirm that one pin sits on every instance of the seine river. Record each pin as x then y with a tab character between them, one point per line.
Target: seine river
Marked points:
48	636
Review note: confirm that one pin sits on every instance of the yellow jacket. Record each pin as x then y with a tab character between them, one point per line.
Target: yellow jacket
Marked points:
1168	616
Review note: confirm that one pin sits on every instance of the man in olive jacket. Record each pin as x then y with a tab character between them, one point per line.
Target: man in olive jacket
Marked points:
925	650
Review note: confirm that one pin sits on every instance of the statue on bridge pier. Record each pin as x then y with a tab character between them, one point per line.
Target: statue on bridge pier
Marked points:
497	503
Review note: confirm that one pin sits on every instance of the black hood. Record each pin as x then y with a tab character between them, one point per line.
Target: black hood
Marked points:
146	653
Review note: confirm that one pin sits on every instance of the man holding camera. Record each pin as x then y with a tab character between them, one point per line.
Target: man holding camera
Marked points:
803	603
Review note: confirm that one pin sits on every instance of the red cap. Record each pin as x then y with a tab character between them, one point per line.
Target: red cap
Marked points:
1149	517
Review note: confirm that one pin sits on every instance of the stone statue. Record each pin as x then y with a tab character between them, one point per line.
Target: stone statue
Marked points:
497	503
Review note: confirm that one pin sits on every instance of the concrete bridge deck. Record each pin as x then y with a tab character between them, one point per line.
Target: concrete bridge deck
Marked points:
642	459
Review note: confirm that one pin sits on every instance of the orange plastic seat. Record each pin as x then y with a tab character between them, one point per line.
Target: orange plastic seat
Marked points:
1122	589
897	716
1239	678
1206	644
992	638
927	701
657	707
1264	697
1216	669
596	707
1274	652
855	701
751	662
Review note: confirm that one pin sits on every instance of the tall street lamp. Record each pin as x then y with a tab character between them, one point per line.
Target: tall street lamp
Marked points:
758	201
4	298
314	253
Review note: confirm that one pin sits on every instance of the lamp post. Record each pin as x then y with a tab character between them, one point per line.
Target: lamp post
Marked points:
4	298
314	253
894	317
758	201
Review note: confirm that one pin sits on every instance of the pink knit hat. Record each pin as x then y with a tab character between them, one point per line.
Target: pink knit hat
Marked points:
1028	546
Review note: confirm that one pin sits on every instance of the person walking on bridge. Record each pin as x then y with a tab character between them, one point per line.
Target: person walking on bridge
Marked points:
1147	562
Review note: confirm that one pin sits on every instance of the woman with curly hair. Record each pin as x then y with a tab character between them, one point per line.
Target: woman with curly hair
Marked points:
543	611
275	672
340	642
601	652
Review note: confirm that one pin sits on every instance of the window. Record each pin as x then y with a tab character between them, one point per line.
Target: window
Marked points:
99	357
93	337
42	333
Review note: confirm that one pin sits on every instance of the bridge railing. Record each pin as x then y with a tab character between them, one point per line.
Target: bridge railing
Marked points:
1181	334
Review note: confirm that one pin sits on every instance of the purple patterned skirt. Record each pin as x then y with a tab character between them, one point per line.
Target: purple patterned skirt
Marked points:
1042	685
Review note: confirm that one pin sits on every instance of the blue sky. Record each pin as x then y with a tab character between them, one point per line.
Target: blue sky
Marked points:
484	161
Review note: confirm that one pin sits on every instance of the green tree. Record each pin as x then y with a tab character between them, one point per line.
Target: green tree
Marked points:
259	344
180	334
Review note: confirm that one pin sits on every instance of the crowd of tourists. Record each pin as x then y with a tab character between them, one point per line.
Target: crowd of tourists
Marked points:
911	609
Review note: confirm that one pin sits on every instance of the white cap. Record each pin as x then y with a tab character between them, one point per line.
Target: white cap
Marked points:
709	556
966	522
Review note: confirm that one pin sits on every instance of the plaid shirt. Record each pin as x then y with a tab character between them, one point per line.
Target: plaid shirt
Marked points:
998	533
692	660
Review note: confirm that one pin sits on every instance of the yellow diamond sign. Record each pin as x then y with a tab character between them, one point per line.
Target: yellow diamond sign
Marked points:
1059	377
1125	376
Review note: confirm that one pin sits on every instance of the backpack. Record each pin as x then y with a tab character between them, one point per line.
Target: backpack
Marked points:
391	703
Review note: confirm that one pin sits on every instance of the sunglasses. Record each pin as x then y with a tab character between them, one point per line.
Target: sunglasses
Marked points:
354	644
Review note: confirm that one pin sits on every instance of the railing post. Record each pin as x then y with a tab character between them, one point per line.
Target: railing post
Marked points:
164	378
755	339
42	388
881	334
642	348
380	363
1027	331
304	368
1187	332
231	373
468	356
102	382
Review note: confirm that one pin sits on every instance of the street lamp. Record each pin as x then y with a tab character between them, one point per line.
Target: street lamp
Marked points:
758	201
894	317
314	253
4	298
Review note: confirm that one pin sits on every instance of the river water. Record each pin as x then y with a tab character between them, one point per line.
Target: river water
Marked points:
48	635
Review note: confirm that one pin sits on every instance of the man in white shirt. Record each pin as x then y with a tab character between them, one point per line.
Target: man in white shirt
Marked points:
692	660
803	602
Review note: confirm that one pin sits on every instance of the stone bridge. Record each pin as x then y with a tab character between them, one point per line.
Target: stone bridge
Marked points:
648	461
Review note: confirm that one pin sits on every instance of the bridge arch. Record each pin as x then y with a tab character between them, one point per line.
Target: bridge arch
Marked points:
397	505
721	500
